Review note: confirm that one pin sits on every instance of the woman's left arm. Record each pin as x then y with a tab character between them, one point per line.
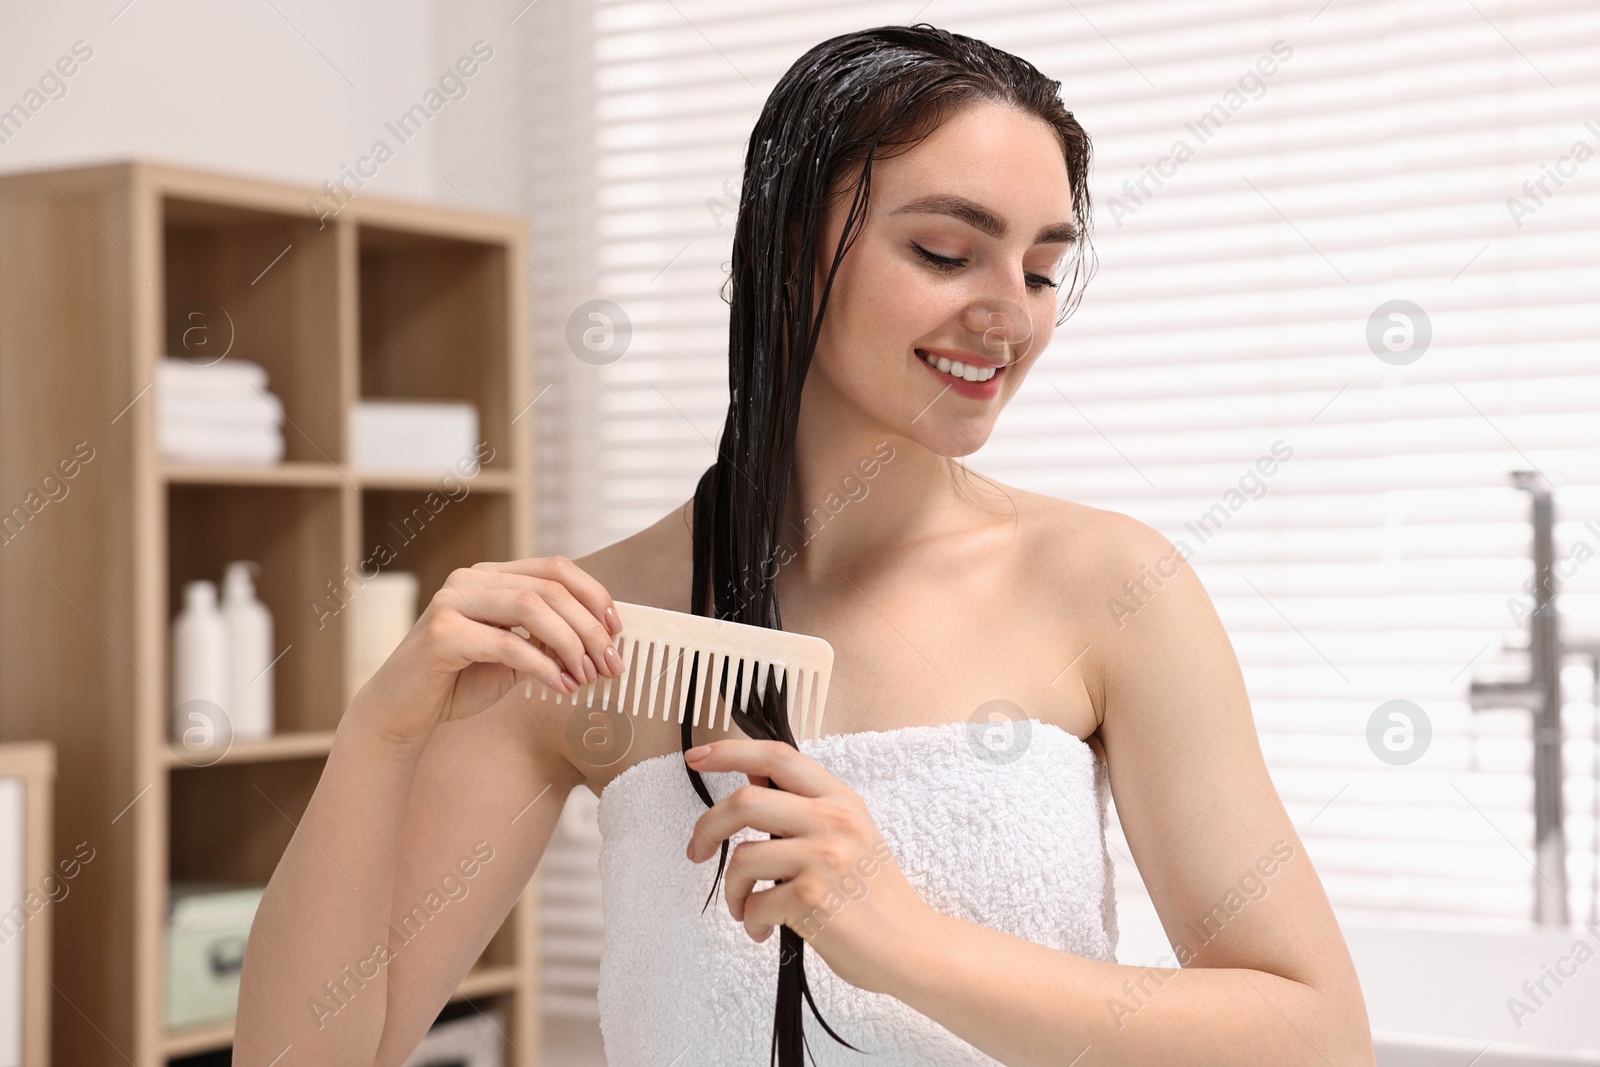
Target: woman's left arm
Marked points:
1265	974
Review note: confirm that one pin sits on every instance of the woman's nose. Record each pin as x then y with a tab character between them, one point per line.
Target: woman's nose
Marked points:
1004	325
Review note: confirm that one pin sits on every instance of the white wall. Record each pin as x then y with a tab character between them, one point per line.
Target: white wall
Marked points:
286	89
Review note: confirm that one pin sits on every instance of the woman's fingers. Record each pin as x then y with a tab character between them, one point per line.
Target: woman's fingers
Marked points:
770	811
499	602
759	861
583	586
590	631
570	604
471	641
791	769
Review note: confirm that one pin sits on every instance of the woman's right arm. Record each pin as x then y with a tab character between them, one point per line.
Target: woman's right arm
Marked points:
439	795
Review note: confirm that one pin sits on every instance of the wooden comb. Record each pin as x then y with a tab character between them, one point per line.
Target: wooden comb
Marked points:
730	662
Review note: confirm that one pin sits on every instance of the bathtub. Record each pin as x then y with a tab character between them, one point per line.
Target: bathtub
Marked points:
1433	995
1438	998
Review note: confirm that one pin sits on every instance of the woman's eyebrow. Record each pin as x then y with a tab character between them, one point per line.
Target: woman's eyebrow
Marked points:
980	217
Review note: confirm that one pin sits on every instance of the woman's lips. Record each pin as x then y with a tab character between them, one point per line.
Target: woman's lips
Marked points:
975	390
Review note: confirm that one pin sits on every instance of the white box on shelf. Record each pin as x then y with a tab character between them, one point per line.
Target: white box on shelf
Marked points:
412	434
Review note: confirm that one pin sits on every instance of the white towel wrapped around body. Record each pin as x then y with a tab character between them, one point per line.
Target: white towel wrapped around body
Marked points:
1014	844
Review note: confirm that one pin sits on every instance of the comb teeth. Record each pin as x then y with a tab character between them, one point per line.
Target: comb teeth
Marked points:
733	665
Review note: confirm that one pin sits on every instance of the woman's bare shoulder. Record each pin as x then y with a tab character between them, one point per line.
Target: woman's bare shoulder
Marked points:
1099	536
653	567
1067	539
1100	564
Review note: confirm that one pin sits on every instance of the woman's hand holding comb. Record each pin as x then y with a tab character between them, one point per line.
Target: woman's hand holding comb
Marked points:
838	885
466	652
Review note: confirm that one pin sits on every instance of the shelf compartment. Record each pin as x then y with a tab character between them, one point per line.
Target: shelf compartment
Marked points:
433	325
232	821
432	541
263	287
294	534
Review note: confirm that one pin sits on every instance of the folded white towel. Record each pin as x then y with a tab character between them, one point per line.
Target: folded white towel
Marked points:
188	444
254	411
232	377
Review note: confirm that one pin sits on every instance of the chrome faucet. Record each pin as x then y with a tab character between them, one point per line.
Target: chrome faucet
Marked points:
1540	694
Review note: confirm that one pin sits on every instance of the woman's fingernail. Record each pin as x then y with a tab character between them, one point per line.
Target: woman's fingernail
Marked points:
697	752
613	623
569	681
613	661
589	671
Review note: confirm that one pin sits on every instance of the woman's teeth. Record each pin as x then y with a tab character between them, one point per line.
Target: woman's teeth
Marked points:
970	372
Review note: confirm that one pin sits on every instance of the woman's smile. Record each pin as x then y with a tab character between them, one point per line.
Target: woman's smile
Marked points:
966	379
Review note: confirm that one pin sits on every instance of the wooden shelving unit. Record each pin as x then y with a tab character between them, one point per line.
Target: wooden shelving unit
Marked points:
103	270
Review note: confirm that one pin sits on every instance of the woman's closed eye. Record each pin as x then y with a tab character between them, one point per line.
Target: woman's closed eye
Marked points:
944	264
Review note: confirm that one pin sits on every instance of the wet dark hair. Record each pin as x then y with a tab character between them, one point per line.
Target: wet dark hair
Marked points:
841	105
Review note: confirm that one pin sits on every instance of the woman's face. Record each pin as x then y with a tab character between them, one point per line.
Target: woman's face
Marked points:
989	190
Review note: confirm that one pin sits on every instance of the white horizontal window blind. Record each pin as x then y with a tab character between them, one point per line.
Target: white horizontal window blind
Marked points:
1269	179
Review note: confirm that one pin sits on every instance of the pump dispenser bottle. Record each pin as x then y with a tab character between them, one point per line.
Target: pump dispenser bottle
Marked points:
199	653
249	653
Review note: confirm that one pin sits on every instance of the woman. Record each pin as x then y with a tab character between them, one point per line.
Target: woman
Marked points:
935	187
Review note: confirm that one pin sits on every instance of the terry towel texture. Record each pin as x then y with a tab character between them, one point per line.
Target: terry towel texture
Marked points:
1010	836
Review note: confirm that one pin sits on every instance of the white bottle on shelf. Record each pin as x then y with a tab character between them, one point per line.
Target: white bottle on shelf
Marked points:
250	666
199	653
